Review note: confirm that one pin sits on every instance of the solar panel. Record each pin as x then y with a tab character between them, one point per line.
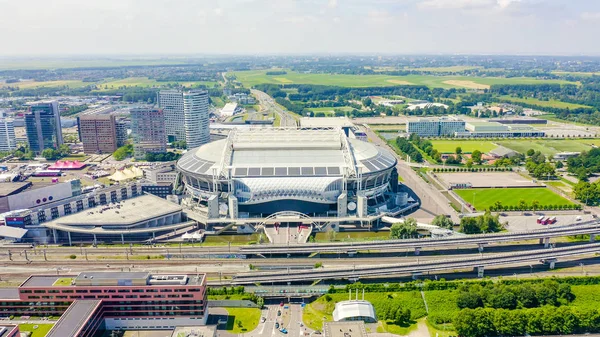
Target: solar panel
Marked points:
293	171
280	171
307	171
369	166
268	171
333	170
254	171
320	170
240	171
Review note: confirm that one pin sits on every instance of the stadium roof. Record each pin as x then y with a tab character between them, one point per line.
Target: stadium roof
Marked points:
286	152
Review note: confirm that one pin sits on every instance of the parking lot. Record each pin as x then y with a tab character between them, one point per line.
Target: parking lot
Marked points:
519	223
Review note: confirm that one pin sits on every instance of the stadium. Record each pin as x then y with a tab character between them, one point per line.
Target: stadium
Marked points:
259	174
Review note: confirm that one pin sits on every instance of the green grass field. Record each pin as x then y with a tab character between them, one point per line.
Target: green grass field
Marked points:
242	320
550	103
467	146
550	147
145	82
330	111
236	240
35	84
483	198
252	77
40	331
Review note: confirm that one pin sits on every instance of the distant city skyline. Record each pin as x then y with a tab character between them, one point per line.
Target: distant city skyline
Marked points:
158	27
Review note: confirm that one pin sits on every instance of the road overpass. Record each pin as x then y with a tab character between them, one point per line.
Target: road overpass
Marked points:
480	240
479	262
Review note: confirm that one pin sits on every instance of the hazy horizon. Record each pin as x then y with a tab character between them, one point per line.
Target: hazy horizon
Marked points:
136	28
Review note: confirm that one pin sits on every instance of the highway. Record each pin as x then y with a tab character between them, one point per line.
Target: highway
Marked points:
269	104
479	261
590	227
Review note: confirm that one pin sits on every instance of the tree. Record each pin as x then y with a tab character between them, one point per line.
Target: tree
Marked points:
123	152
522	204
407	229
469	163
443	222
50	154
535	205
469	300
367	102
530	152
559	165
476	156
64	150
402	316
458	150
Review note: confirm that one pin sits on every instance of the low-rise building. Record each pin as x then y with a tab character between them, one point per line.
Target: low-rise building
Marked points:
354	310
497	130
435	127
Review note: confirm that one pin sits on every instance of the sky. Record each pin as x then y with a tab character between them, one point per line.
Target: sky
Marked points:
153	27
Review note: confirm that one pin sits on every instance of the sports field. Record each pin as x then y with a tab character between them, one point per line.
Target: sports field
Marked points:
467	146
549	103
329	111
483	198
252	77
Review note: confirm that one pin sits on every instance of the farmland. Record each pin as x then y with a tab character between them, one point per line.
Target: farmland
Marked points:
483	198
549	104
144	82
253	77
35	84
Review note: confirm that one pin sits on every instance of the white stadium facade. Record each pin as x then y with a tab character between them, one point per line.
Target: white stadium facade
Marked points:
322	175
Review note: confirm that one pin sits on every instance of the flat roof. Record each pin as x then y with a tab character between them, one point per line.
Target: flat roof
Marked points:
12	232
107	275
42	280
9	293
8	328
129	211
10	188
344	329
74	317
319	122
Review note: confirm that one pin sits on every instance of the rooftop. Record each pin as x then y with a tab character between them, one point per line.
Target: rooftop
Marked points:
11	188
119	277
74	317
104	278
9	293
344	329
7	329
320	122
36	281
125	212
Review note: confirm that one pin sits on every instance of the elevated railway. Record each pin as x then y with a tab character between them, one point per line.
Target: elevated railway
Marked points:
590	227
479	262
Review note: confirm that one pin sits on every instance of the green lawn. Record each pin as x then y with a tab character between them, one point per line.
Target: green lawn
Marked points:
353	236
236	240
330	111
549	147
315	313
586	296
242	320
40	331
483	198
252	77
549	104
467	146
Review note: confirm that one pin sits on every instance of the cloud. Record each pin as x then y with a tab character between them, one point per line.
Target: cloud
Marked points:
218	11
466	4
590	16
332	4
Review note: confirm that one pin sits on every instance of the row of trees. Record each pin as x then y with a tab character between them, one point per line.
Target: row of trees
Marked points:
404	230
407	148
471	169
123	152
505	296
547	320
164	156
533	206
486	223
588	193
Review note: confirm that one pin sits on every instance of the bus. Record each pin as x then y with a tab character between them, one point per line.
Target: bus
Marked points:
540	219
552	220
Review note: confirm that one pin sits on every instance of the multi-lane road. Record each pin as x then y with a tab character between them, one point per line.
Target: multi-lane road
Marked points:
268	104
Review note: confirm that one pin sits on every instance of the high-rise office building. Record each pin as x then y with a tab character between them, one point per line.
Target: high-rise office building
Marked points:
186	116
121	127
42	124
98	133
148	129
171	101
195	112
7	134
